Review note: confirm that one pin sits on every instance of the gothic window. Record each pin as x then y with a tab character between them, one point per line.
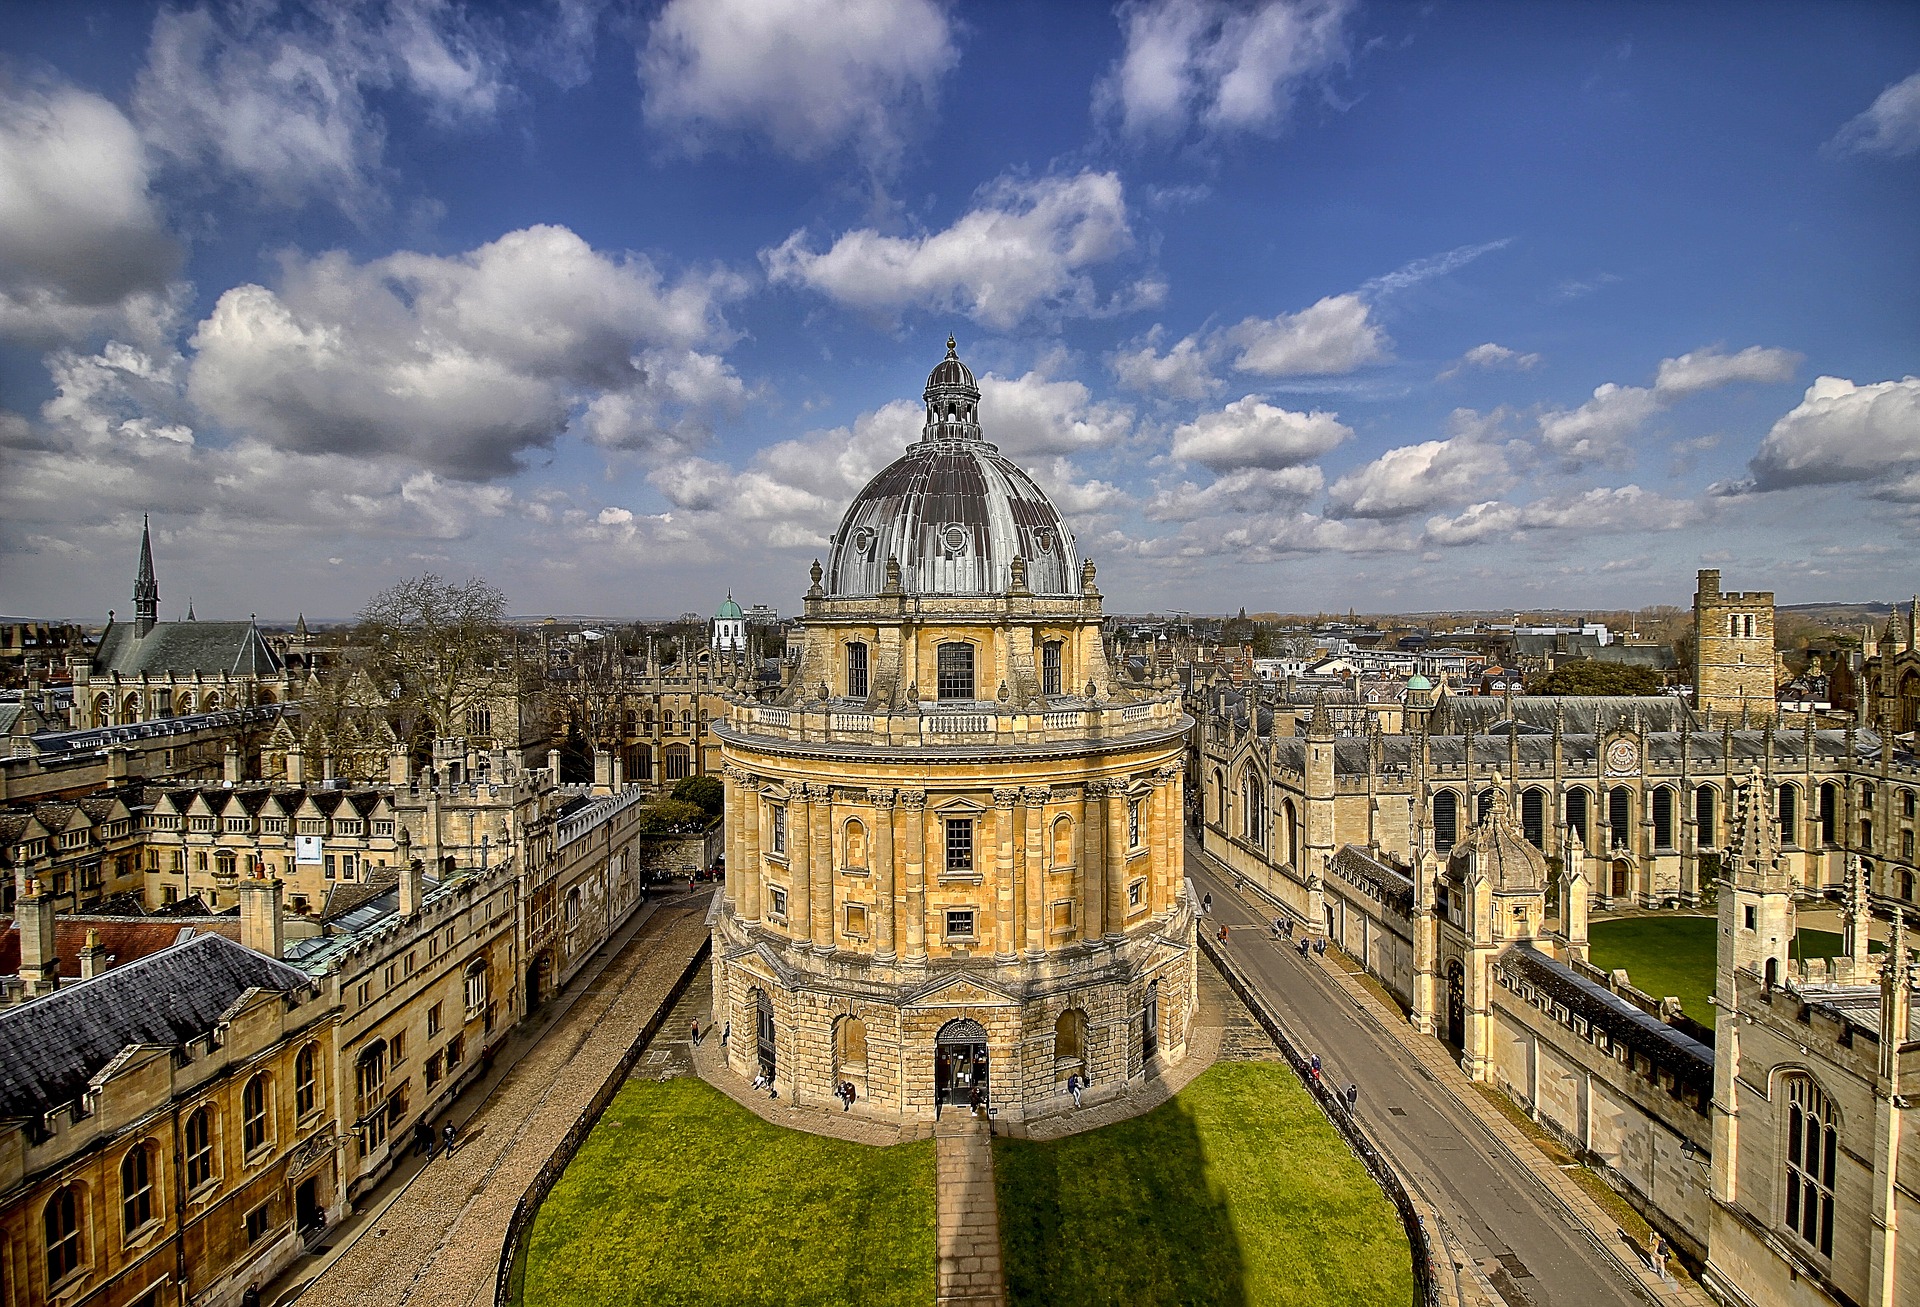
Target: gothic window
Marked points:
1050	667
856	671
959	844
1482	806
136	1187
253	1114
1829	813
1253	808
305	1081
480	722
1811	1147
478	986
63	1233
1906	886
1788	814
1446	820
1533	816
1906	803
1577	812
1663	818
955	667
679	762
1620	817
1703	816
199	1148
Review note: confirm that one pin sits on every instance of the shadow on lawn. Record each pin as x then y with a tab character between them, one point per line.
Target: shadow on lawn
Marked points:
1123	1215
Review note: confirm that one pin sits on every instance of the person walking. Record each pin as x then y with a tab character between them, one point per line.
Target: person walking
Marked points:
696	1034
1352	1095
1223	932
446	1136
726	1033
1074	1085
1206	904
1313	1068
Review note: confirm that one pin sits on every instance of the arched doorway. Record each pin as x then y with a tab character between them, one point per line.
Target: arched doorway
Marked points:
763	1008
537	979
960	1062
1456	1005
1622	879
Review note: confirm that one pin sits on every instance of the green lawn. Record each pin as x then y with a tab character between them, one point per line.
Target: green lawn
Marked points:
1237	1191
1676	955
681	1195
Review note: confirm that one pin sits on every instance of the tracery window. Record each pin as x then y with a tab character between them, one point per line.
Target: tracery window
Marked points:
1703	817
1812	1143
1446	820
1253	808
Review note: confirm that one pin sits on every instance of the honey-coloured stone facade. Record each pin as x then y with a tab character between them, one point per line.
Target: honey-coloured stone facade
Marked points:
1733	658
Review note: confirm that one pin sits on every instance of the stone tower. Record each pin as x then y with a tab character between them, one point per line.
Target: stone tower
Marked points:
146	590
1733	658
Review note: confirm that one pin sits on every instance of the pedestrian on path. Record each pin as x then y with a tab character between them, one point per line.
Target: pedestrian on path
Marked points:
1223	932
1659	1255
1313	1068
1352	1094
1073	1087
696	1033
726	1033
1320	946
1304	944
446	1135
1206	904
1278	923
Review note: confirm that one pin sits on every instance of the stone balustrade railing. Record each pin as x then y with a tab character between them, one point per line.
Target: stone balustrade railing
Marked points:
972	723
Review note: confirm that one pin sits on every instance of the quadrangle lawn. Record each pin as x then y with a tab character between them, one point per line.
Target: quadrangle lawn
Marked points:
1237	1191
1665	955
680	1195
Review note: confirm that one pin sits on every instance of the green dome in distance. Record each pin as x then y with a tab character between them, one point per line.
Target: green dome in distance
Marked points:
1419	682
728	610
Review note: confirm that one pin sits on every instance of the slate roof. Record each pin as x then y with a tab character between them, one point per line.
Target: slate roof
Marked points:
1686	1058
52	1046
183	648
1583	713
1708	750
342	899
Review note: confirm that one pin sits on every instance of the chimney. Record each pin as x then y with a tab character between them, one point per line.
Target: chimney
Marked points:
296	765
93	958
230	764
412	878
39	964
260	926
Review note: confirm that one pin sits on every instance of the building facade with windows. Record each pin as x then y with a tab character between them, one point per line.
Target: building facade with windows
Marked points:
953	837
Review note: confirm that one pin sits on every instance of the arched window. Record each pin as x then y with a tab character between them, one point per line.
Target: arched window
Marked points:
856	670
1577	812
679	762
253	1114
1906	886
854	845
63	1233
305	1080
1253	808
1070	1042
102	710
1290	831
1063	841
1812	1142
136	1187
1220	795
1446	820
199	1148
1866	794
1533	816
1620	817
1829	813
477	987
1788	812
1050	667
954	667
850	1045
1482	806
1663	818
1703	817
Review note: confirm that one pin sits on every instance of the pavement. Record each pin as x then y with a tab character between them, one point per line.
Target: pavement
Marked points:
430	1234
967	1226
1512	1228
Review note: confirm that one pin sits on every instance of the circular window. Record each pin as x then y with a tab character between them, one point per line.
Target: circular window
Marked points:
955	539
863	540
1043	541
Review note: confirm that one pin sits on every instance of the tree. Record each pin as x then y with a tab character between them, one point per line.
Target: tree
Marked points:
1587	676
704	791
435	649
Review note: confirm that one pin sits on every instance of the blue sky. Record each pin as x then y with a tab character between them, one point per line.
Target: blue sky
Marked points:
1296	305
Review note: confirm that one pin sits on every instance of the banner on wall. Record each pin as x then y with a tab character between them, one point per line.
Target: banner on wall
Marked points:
306	850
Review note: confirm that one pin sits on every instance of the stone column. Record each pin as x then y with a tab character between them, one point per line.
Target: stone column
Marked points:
880	857
1117	847
913	803
1092	869
1039	857
751	873
1163	828
1003	887
821	862
733	825
799	864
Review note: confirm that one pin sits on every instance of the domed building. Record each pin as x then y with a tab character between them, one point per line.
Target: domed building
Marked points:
729	629
954	837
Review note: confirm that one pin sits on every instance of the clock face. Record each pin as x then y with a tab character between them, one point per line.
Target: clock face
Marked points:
1622	756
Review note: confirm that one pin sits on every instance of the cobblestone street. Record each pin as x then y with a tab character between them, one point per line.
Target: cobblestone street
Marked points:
437	1242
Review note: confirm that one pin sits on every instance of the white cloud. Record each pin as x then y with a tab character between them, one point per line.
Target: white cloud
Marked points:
1033	414
1711	368
82	244
1252	433
808	75
1416	478
1889	126
1601	509
1248	491
1491	355
1337	334
460	362
279	97
1183	372
1842	432
1025	246
1427	268
1217	67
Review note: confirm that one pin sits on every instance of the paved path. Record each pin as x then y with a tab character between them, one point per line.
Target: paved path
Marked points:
436	1241
1511	1220
968	1225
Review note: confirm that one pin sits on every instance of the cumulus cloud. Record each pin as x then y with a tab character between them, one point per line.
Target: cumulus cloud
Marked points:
1183	372
82	243
1602	429
278	96
1490	355
809	76
1601	509
1025	246
1337	334
1889	126
1248	491
1417	478
1252	433
1034	414
1842	432
1217	67
460	362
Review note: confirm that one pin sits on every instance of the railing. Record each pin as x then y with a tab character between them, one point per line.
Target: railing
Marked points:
1063	721
851	721
959	723
823	722
1425	1290
506	1288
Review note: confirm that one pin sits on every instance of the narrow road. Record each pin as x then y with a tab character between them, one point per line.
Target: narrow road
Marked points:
1499	1214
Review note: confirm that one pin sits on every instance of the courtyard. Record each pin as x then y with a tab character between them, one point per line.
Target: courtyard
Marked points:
1675	955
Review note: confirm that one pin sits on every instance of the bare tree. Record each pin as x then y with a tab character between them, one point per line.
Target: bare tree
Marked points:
436	648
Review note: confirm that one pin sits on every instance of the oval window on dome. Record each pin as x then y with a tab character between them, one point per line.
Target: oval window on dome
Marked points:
955	539
1043	540
863	540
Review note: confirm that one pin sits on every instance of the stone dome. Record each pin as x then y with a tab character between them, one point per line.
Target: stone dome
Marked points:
1507	859
952	511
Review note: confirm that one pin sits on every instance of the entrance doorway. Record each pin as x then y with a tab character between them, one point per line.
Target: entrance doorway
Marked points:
1150	1024
306	1204
763	1006
960	1064
1456	1005
1621	878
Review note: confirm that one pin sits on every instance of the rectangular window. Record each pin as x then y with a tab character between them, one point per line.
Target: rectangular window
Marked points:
857	920
776	901
1050	667
258	1222
959	844
959	923
433	1070
1750	918
433	1020
398	1046
856	671
1133	824
1062	913
778	843
454	1051
955	664
1137	894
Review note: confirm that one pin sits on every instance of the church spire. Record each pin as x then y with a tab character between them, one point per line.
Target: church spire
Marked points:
146	591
